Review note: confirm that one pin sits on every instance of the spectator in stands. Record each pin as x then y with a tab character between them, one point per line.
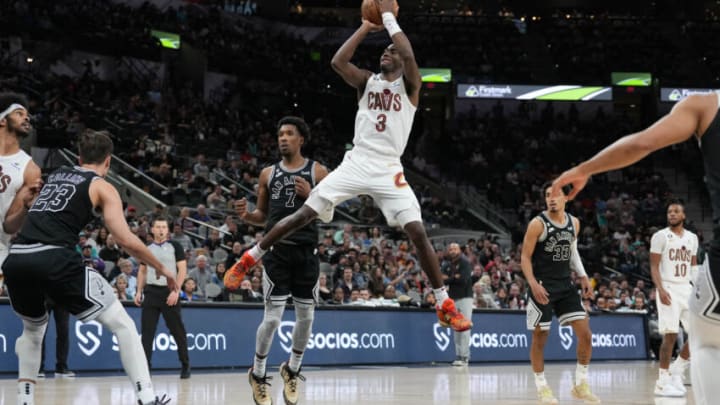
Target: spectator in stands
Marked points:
111	252
216	200
189	291
213	241
338	297
347	282
201	275
126	270
323	288
217	279
83	241
200	168
181	238
121	288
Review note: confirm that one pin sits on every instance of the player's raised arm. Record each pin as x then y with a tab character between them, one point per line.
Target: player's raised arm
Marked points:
340	62
685	119
258	216
104	195
413	81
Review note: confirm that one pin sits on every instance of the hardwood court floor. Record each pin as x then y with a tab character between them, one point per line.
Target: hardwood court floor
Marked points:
614	382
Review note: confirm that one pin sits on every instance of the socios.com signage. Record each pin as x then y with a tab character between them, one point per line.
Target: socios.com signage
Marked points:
225	337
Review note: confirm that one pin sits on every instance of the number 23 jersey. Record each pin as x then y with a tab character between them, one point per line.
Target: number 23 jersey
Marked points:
384	118
61	210
676	254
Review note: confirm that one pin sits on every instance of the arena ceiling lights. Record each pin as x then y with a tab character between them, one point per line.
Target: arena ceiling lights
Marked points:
535	92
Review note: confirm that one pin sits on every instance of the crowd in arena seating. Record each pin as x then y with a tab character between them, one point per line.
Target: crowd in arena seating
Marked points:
208	153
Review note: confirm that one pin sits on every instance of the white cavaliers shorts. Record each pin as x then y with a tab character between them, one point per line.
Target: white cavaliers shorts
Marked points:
671	316
381	179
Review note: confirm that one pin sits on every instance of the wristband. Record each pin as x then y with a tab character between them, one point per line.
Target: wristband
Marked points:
390	23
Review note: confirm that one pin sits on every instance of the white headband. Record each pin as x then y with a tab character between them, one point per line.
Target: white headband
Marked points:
13	107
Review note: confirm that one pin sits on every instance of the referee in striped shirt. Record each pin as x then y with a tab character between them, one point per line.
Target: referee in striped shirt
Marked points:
155	297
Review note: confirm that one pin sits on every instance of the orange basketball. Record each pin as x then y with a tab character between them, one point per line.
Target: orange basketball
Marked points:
371	11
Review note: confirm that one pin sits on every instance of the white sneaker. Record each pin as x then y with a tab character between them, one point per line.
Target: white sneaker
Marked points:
677	381
667	389
460	362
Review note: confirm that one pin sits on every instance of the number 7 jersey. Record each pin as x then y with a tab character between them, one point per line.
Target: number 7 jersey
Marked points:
61	210
384	118
676	254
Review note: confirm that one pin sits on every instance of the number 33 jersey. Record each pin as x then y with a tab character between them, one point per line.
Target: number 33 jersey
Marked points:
551	257
384	118
676	253
61	210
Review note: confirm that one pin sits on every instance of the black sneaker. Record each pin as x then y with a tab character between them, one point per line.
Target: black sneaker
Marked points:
185	372
64	373
158	401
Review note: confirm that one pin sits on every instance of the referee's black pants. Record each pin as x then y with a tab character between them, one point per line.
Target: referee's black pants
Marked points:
62	344
155	303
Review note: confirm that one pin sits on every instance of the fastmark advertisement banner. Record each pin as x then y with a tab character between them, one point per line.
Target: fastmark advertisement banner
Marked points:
535	92
674	94
224	336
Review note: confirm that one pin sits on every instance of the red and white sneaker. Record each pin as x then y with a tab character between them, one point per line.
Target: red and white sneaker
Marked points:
236	274
449	317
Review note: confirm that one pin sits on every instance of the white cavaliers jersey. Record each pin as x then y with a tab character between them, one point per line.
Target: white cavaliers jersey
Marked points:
676	254
384	118
12	171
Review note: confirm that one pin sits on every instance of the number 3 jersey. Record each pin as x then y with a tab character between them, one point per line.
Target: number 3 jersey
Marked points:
551	258
676	254
61	210
384	118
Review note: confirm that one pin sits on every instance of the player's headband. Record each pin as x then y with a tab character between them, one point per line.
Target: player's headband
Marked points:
13	107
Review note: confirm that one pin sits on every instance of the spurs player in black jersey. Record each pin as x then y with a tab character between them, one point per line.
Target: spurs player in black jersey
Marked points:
549	254
43	262
696	116
291	266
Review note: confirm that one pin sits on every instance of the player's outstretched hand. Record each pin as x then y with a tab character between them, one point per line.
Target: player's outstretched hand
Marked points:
241	208
302	187
540	294
574	177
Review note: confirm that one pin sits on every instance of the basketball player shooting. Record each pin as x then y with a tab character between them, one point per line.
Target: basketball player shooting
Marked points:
387	102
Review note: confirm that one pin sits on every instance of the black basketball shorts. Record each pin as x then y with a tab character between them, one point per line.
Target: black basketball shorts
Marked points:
33	272
565	302
291	270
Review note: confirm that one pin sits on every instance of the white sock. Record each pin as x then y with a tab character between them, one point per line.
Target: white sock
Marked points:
440	295
259	365
679	366
663	374
256	252
581	373
26	393
295	361
540	380
132	356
